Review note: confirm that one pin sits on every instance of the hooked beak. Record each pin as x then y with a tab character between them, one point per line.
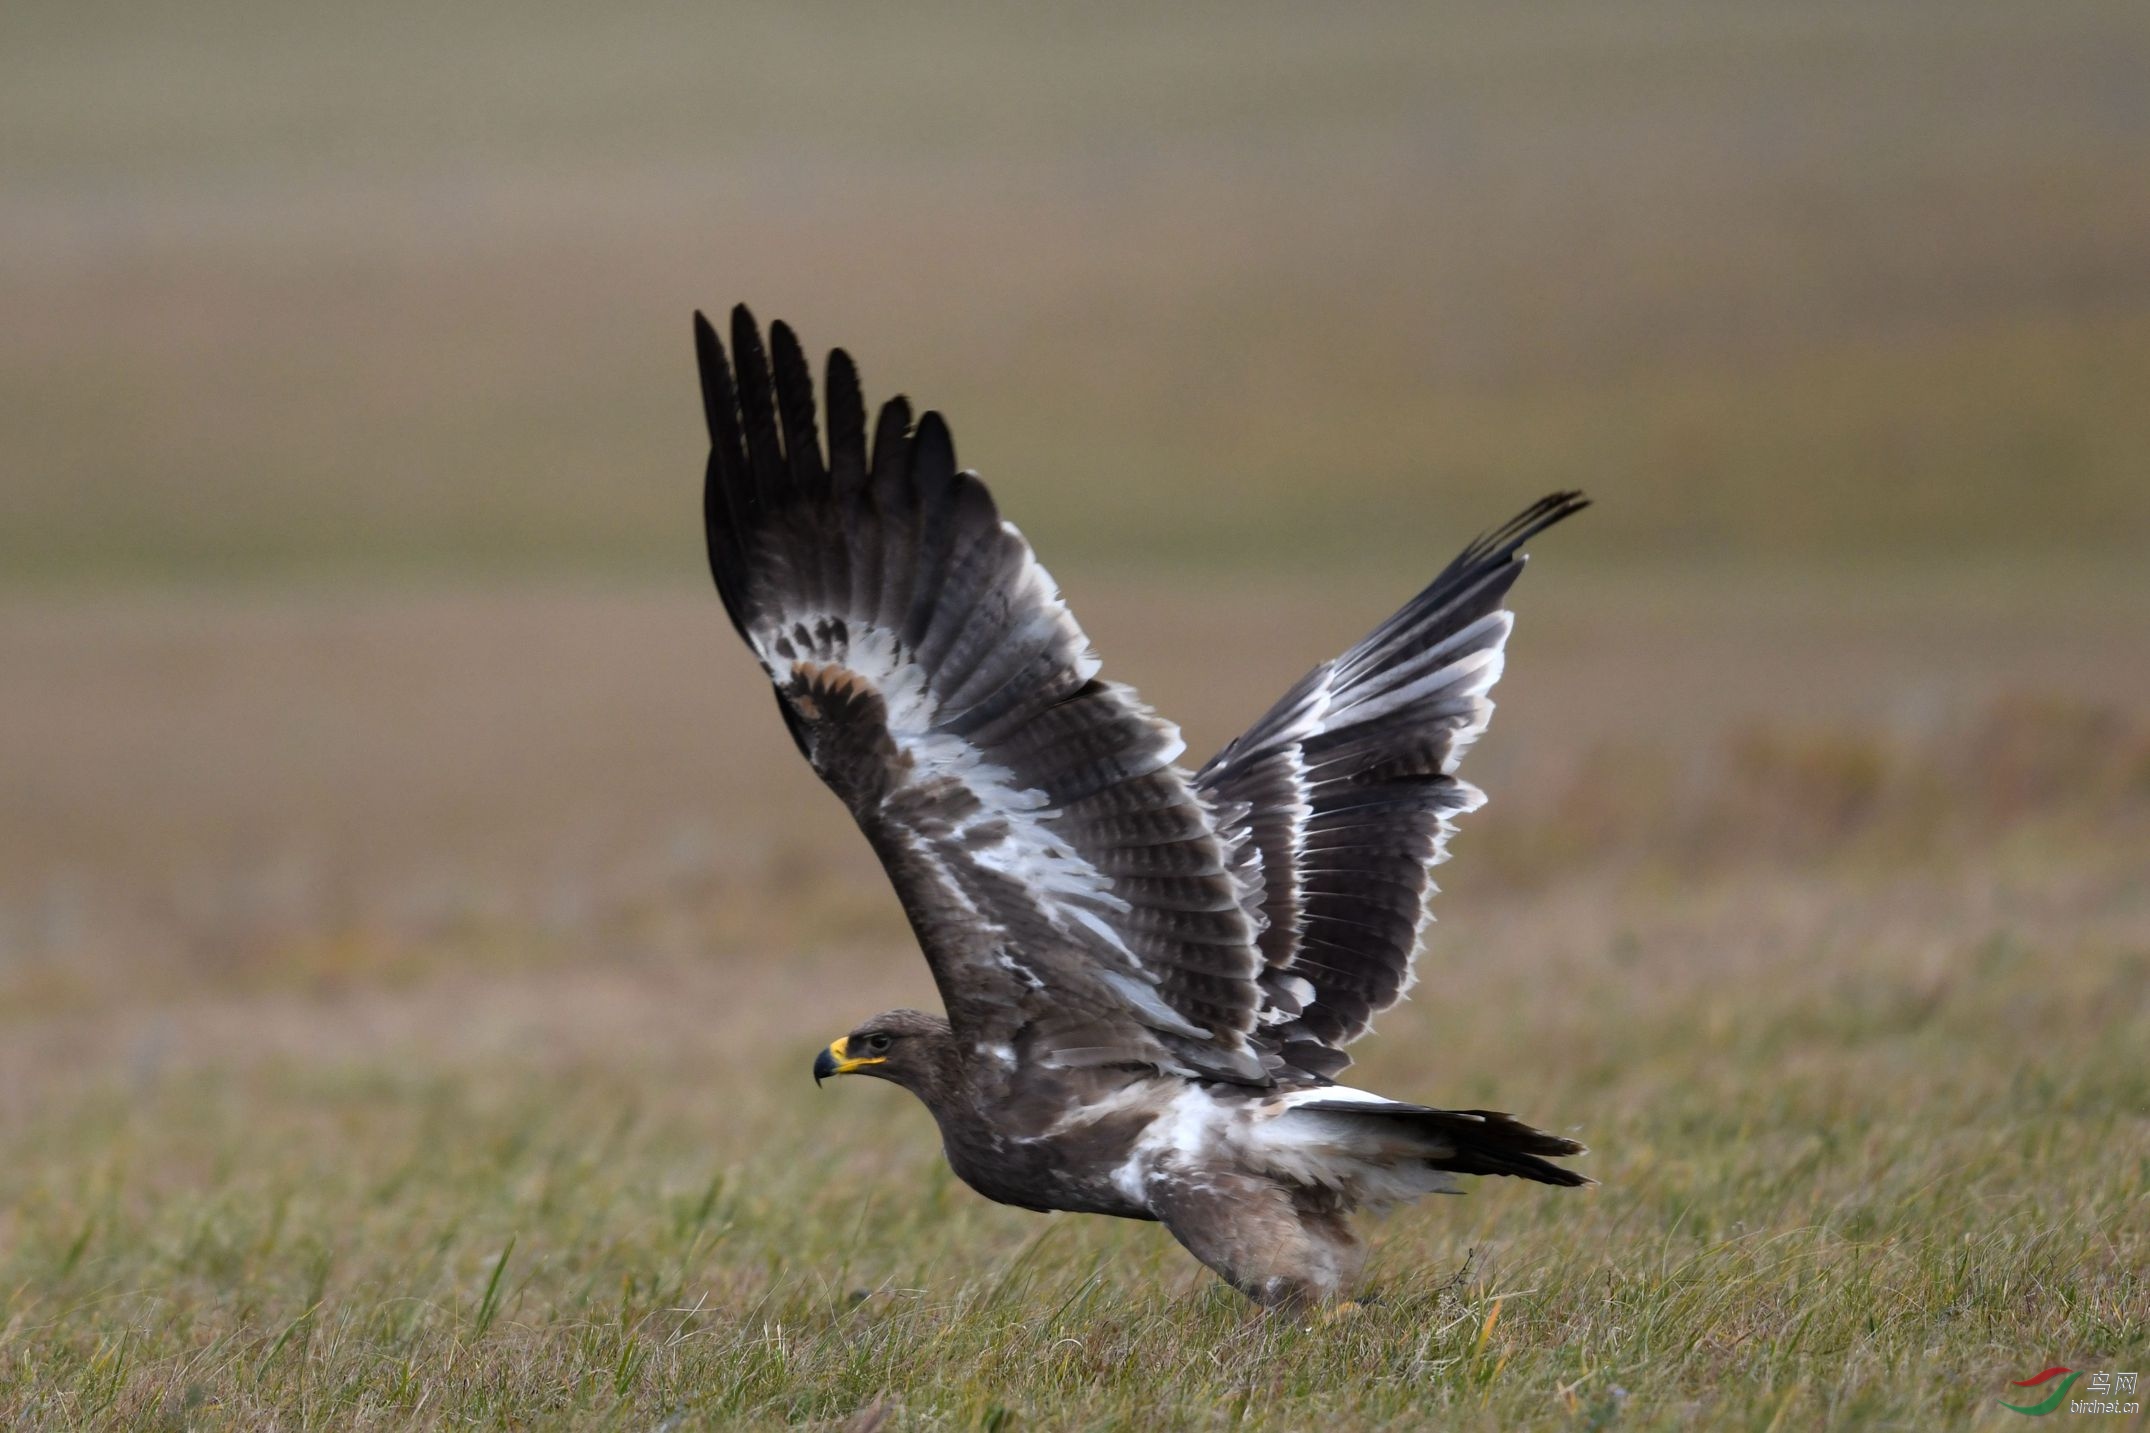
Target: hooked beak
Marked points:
833	1061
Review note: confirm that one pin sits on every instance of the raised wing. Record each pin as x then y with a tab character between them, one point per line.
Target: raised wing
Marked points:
1062	876
1346	789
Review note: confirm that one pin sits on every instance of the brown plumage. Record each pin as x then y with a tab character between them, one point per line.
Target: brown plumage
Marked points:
1149	976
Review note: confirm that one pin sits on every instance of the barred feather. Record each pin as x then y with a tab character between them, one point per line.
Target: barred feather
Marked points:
1349	787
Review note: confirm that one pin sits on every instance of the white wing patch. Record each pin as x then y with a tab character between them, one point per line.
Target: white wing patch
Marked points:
1298	988
1011	832
1426	675
1019	970
1430	675
1143	996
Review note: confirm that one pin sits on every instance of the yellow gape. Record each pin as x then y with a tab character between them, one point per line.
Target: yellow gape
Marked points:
845	1065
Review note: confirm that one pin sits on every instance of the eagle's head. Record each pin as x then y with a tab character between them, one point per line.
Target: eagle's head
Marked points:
908	1047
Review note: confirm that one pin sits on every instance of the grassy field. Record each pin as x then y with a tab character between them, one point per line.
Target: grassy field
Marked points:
396	1033
415	929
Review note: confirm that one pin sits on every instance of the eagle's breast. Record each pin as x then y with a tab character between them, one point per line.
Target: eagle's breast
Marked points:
1054	1139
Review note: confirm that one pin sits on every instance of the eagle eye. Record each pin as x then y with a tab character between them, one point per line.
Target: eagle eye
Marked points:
877	1043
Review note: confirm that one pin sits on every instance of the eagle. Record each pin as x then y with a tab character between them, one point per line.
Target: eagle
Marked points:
1149	975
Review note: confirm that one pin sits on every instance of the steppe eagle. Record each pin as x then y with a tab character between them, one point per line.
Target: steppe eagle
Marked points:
1149	975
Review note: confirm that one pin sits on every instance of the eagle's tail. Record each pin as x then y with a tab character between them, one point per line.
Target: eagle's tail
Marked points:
1471	1141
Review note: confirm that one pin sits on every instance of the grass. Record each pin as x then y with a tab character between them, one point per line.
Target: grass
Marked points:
1913	1171
478	1134
415	929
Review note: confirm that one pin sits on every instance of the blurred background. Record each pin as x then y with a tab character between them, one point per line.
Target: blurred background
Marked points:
352	443
365	701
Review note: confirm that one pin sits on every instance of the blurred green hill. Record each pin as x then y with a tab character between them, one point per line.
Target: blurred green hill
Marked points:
400	290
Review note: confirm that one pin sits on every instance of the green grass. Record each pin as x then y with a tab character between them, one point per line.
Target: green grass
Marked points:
1869	1114
1863	1209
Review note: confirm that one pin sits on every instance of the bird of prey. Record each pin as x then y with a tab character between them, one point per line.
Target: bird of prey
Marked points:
1149	975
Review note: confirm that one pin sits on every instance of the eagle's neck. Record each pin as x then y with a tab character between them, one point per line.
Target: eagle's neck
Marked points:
940	1077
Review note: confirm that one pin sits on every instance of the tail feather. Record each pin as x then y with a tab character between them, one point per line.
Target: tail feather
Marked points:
1476	1141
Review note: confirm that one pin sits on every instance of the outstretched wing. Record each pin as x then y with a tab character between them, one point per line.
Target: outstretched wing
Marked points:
1062	876
1346	789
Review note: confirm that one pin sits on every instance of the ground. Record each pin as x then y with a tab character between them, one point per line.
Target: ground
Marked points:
416	930
1818	918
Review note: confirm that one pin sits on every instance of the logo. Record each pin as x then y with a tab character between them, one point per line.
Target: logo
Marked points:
2067	1377
2102	1389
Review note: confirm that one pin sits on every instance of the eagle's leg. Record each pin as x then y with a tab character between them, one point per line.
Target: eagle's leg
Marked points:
1258	1236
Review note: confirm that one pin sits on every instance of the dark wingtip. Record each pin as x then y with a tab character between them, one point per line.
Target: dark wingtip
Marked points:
746	339
847	424
934	447
1503	545
756	389
892	445
1564	504
749	358
716	374
1540	515
796	410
